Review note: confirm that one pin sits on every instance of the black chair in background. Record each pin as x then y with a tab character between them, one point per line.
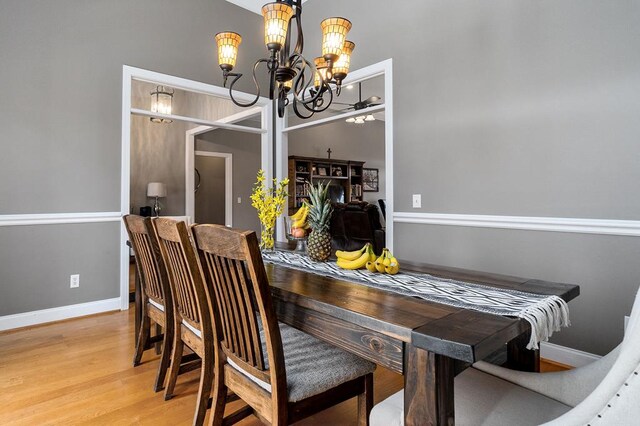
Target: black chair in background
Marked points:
383	208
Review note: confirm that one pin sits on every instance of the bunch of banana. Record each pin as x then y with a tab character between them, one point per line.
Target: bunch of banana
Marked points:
386	263
299	218
355	259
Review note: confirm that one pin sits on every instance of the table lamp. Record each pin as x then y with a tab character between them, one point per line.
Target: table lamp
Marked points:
157	190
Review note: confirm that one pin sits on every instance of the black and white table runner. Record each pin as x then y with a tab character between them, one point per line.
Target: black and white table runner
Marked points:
546	314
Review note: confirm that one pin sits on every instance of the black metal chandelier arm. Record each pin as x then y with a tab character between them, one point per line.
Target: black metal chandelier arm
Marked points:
300	40
320	104
255	82
298	112
283	102
302	86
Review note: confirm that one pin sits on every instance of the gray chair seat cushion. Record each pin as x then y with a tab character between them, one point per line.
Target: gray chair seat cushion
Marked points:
481	399
312	365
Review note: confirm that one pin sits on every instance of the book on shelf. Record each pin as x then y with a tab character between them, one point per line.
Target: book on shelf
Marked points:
302	191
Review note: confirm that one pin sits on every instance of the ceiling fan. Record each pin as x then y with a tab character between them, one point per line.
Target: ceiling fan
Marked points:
361	104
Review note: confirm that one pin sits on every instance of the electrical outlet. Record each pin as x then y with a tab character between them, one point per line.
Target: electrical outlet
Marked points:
239	200
417	201
74	281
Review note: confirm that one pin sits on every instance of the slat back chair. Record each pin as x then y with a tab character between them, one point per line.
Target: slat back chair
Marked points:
156	302
192	309
250	360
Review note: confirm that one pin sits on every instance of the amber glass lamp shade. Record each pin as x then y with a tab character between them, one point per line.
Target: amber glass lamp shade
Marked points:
334	34
276	21
341	66
228	43
321	66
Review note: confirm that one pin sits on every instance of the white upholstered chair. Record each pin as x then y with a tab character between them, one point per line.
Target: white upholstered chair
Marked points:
605	392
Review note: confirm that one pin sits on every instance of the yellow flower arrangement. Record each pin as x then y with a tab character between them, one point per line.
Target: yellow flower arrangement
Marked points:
269	202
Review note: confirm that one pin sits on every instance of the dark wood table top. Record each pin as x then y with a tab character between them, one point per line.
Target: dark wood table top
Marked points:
459	333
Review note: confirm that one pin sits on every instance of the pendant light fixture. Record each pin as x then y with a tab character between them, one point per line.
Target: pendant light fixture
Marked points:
361	119
162	103
293	78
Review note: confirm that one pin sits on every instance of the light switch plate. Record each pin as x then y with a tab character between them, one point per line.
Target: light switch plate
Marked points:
417	201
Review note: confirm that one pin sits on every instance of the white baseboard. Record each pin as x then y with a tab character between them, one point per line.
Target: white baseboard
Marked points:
9	322
565	355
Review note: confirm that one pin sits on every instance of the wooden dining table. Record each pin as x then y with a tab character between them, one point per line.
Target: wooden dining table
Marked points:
427	342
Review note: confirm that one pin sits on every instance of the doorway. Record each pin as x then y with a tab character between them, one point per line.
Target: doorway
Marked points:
213	188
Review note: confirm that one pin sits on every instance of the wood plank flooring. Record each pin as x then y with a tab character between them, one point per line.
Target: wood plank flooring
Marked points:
80	372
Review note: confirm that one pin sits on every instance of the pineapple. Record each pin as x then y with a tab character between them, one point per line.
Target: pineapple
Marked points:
319	242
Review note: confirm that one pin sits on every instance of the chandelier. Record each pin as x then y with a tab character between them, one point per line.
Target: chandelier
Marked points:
309	87
161	102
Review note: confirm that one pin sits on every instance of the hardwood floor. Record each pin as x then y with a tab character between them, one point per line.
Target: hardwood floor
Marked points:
80	372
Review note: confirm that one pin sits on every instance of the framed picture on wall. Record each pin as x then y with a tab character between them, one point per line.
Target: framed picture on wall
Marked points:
370	180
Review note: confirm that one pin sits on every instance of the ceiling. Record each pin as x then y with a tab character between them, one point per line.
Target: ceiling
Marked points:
254	6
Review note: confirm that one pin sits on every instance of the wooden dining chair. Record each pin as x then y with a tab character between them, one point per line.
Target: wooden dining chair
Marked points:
282	374
192	310
155	304
605	392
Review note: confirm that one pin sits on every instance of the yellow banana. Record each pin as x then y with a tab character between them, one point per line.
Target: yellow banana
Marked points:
379	263
298	214
392	269
371	267
354	264
351	255
387	258
302	221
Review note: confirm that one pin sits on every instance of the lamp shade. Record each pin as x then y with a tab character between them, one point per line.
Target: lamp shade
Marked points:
156	189
321	66
341	67
161	102
228	43
334	34
276	21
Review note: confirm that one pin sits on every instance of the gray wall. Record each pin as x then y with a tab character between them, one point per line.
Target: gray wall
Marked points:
512	107
157	155
245	149
60	126
347	142
37	262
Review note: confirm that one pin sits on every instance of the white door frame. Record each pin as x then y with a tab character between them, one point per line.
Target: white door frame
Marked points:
384	68
128	75
228	184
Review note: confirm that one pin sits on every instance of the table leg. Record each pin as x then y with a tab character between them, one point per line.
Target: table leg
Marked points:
520	358
428	388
